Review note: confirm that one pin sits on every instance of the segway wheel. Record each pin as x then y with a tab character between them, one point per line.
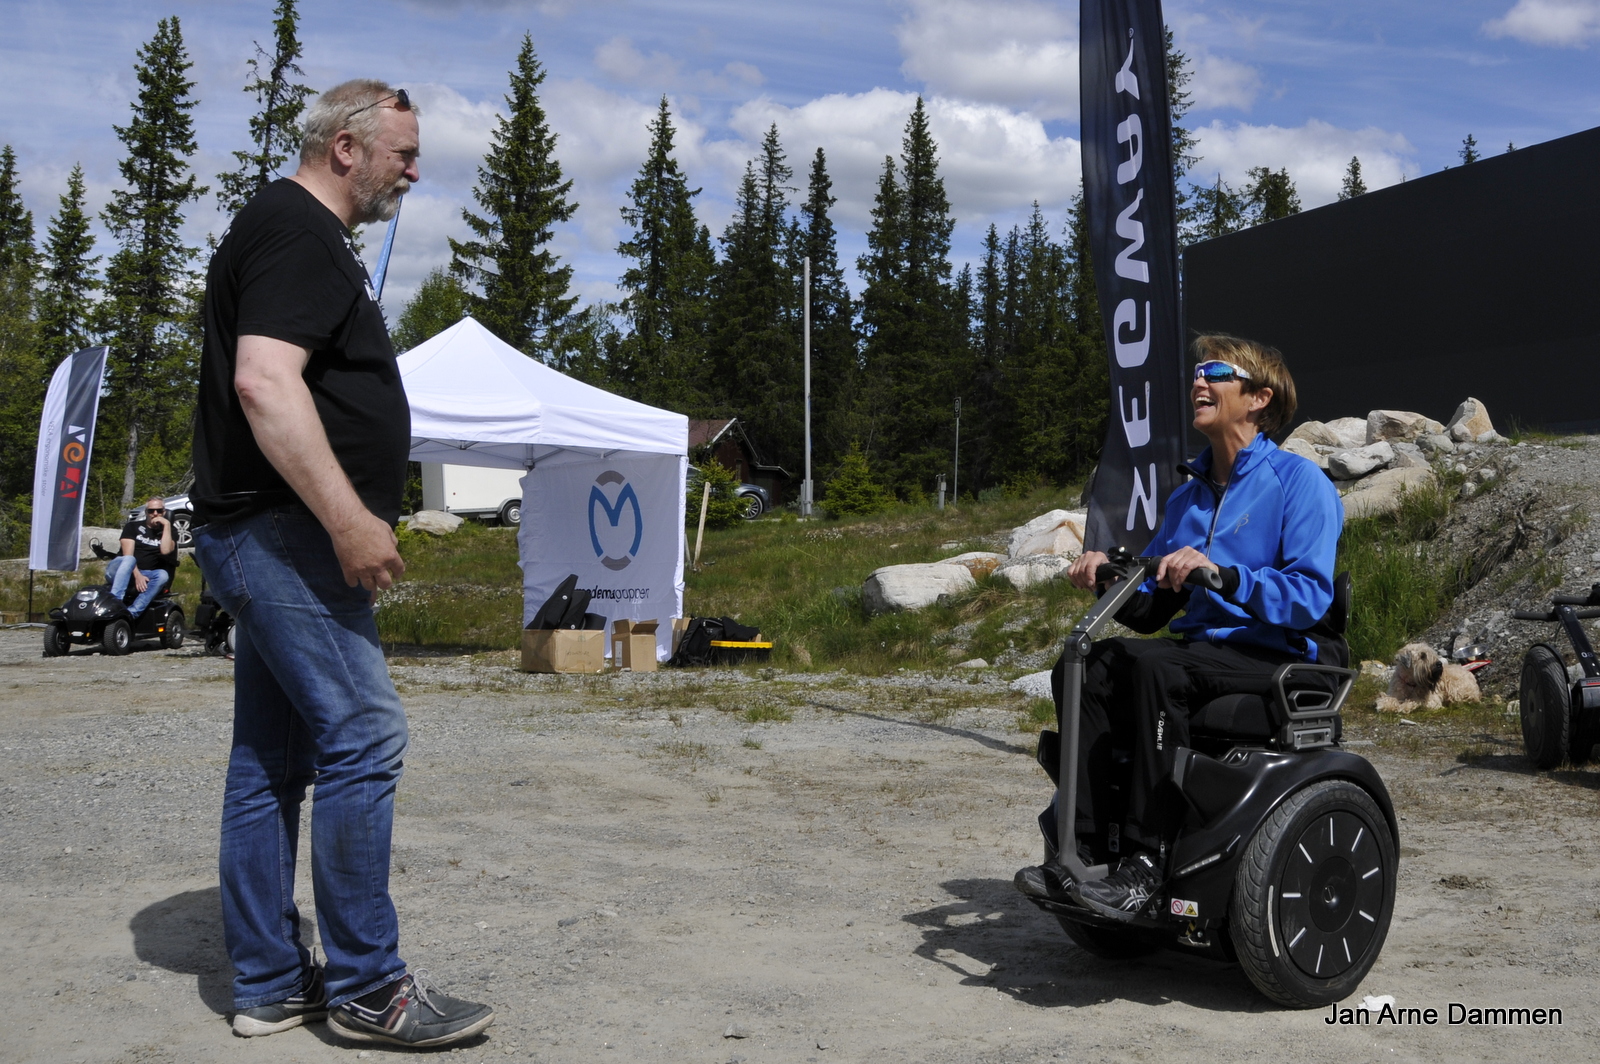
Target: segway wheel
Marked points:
1314	894
117	637
172	638
1108	943
227	640
55	641
1546	706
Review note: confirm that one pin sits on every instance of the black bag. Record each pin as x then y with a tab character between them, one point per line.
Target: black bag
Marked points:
567	607
695	646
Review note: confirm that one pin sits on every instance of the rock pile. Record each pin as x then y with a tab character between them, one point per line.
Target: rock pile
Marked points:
1373	461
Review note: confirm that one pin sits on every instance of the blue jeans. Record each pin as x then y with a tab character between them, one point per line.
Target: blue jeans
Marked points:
119	571
312	703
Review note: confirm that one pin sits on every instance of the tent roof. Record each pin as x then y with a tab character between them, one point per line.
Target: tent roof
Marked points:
476	400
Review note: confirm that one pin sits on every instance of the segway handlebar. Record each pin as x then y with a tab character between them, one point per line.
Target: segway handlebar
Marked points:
1110	573
1560	600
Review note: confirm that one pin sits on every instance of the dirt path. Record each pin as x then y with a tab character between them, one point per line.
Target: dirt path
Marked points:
628	868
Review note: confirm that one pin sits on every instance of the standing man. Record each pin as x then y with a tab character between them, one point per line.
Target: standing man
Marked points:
301	439
149	557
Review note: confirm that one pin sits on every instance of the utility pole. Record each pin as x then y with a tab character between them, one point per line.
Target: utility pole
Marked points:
806	487
955	493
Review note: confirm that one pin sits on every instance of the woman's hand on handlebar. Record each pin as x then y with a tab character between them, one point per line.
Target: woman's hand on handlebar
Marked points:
1176	567
1082	571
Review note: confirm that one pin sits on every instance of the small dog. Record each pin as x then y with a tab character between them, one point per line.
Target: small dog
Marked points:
1422	680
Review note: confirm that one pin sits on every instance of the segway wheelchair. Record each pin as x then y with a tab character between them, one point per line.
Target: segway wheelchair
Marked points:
1288	856
1561	718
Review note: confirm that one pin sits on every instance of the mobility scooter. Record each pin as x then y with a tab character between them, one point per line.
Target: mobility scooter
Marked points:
1288	856
93	616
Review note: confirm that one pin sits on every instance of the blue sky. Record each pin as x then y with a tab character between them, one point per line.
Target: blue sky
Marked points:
1277	83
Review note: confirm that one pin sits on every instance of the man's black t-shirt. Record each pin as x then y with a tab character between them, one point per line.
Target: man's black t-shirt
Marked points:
147	547
285	269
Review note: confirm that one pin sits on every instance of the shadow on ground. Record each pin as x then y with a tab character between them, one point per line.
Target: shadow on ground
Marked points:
991	938
183	934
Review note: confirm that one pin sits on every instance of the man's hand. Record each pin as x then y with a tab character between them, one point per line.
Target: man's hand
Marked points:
1082	571
1176	567
140	581
368	552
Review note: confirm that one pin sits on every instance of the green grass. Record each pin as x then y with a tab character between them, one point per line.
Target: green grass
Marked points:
51	589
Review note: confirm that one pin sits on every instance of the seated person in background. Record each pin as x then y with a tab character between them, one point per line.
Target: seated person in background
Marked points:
1268	521
149	557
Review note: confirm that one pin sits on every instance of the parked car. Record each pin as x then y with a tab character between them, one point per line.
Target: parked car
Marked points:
757	500
179	511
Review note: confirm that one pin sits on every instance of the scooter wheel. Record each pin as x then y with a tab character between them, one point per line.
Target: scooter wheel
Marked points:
1314	894
117	637
1109	943
1546	706
55	641
172	638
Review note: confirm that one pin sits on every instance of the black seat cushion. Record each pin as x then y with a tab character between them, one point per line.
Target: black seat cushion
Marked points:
1241	716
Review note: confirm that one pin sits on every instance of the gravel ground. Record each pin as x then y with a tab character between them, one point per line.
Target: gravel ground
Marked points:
647	867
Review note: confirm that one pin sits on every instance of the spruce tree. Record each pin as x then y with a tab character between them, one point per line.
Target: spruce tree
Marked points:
1270	195
275	128
148	315
16	221
439	303
521	287
1179	98
915	347
66	304
755	343
1469	150
1353	186
835	367
1219	210
1088	405
662	361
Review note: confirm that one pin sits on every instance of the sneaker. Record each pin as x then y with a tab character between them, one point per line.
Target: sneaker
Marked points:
1049	881
417	1013
308	1006
1123	893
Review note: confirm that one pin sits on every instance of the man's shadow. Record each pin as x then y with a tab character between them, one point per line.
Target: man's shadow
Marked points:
993	937
183	934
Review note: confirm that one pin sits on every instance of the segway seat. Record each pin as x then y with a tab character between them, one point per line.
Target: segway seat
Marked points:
1300	711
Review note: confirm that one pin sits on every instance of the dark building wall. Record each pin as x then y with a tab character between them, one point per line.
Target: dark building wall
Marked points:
1483	280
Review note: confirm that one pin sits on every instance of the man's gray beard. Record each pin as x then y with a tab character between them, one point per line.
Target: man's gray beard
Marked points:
376	202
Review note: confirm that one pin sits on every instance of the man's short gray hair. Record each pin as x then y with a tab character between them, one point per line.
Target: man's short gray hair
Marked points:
347	106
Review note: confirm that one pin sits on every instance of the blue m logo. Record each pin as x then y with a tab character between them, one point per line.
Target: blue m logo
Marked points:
613	512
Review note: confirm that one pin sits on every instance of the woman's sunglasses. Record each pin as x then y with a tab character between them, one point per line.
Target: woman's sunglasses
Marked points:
1219	372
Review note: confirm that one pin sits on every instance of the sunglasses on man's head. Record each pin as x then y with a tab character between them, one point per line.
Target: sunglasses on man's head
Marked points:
1219	372
401	98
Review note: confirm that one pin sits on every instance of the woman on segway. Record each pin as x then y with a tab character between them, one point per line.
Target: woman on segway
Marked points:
1268	522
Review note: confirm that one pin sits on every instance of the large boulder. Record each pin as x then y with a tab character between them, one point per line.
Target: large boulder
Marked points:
1351	432
978	562
1381	492
911	587
109	539
1058	532
1034	569
1316	433
1470	421
1436	444
1409	456
434	522
1305	449
1398	425
1359	461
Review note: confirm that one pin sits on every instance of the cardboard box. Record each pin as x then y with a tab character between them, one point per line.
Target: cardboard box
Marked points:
633	645
680	625
563	650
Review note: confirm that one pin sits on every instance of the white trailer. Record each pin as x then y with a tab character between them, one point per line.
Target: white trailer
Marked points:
473	491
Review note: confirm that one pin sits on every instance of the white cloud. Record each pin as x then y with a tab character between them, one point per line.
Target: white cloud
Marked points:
994	161
1223	82
1017	53
1562	23
1316	155
619	59
455	134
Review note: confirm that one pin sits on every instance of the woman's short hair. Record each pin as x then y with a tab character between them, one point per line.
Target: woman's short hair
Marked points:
347	106
1266	368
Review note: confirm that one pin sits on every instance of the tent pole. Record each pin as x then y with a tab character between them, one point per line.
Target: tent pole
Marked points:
29	617
705	500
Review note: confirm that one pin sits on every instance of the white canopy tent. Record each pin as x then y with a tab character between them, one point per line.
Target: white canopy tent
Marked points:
604	493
